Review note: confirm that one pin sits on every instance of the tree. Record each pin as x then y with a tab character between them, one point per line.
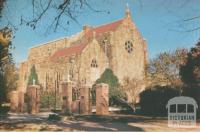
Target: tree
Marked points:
153	100
132	88
190	74
63	13
115	90
7	69
1	6
164	69
5	45
67	10
33	77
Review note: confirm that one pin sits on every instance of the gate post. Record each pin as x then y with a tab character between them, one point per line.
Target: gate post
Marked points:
102	99
14	101
33	99
85	102
66	96
21	101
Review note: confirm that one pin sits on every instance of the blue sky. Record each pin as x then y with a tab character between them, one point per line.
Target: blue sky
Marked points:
158	21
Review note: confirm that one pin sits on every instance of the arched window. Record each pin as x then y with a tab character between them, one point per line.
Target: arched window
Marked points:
128	46
94	63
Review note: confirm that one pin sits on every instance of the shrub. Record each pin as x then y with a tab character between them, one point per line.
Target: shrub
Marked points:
115	90
153	100
47	100
4	109
54	117
33	76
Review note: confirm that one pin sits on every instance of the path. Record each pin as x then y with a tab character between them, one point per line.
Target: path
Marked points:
87	123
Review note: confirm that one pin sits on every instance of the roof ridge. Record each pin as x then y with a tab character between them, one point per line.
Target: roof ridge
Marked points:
108	23
69	50
55	40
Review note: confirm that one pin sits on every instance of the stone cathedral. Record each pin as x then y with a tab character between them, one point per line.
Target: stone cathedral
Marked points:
83	57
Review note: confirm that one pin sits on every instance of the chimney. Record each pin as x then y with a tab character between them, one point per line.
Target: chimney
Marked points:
86	28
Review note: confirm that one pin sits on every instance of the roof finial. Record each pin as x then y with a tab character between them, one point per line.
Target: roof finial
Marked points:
127	10
127	6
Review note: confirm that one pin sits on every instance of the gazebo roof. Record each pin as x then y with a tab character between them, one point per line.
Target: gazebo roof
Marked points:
182	100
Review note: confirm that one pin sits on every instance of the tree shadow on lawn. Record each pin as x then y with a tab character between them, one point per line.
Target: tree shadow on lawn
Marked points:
69	124
96	126
118	118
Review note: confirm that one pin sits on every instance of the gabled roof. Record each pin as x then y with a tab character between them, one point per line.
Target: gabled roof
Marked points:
104	28
69	51
79	47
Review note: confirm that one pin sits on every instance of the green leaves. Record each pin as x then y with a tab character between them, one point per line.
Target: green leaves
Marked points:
190	72
33	77
115	90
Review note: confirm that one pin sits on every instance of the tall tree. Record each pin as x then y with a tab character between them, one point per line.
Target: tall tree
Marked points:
115	90
164	69
33	77
7	69
190	72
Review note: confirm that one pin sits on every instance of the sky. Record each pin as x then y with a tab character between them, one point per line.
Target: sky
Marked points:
159	21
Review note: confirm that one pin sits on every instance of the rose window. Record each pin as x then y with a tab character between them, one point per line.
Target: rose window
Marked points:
129	46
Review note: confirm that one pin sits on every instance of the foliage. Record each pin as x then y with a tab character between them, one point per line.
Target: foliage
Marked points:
4	109
63	12
132	88
8	81
5	45
47	100
1	6
2	89
115	90
153	100
190	73
164	69
8	71
33	76
54	117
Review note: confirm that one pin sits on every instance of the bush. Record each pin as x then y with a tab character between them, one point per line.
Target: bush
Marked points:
193	92
153	100
115	90
47	100
4	109
54	117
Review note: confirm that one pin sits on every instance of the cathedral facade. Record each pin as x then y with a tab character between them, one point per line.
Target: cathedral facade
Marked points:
83	57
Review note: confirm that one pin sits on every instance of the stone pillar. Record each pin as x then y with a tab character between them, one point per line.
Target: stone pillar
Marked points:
85	102
75	106
67	96
14	101
20	101
102	99
33	99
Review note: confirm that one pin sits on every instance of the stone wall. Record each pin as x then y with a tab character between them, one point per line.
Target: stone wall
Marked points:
23	76
125	64
14	101
88	73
